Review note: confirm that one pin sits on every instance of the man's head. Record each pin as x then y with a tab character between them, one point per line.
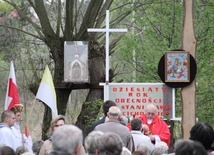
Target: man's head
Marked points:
151	111
136	124
6	150
106	105
110	143
91	141
160	148
8	117
184	147
20	150
114	112
18	117
202	132
67	139
144	147
17	109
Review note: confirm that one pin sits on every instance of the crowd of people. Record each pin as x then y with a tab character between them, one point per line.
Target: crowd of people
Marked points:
110	135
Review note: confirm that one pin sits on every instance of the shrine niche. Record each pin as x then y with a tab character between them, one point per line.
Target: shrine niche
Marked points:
76	62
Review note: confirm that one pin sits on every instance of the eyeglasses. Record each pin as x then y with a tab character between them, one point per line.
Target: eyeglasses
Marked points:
57	125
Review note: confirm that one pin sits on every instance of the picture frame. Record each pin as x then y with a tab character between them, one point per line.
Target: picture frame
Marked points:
177	66
76	62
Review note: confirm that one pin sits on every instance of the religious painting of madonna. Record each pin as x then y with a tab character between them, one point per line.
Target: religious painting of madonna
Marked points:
177	66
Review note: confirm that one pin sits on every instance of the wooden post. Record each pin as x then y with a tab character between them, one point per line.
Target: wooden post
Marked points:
188	93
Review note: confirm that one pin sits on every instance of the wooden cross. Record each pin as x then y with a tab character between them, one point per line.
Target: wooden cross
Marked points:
107	30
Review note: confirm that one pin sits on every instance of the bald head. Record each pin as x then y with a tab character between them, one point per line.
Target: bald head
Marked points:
151	107
114	112
8	117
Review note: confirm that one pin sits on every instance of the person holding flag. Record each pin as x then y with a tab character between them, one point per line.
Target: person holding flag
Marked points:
12	103
23	139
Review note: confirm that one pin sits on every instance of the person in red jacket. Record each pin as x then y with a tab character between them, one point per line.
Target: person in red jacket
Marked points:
153	126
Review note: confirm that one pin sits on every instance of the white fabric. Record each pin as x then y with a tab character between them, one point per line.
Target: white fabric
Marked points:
157	139
46	92
149	121
8	138
139	137
22	140
16	131
28	143
125	151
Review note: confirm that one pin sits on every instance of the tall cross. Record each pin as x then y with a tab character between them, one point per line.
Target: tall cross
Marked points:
106	30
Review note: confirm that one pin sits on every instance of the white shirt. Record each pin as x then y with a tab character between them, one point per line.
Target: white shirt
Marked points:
21	138
8	138
139	137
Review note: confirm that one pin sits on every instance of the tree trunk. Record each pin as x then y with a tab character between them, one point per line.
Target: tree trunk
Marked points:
72	27
89	111
46	122
97	74
57	50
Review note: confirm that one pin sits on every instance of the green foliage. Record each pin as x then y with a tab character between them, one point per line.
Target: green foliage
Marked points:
5	7
154	28
158	28
96	112
205	60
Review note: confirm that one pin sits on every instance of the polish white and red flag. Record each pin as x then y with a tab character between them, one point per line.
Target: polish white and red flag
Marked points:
12	96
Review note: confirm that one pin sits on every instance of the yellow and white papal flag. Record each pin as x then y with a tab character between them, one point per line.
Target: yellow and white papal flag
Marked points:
46	92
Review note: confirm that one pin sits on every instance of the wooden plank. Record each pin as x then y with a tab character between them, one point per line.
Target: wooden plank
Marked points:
188	92
73	86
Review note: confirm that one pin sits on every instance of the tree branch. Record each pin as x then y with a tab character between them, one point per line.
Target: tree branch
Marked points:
23	15
59	18
68	19
28	33
89	18
44	20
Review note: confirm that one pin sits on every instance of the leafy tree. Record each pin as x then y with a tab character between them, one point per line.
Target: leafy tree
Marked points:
155	26
58	21
157	29
205	37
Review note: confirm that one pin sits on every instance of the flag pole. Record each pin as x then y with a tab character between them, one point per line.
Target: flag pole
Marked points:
31	111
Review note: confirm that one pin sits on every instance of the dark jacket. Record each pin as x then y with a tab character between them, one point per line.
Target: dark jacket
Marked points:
100	121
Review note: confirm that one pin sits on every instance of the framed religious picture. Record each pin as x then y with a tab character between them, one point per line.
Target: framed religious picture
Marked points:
76	62
177	66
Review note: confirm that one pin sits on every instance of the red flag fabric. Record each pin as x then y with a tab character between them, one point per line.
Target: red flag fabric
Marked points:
26	132
12	96
28	143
